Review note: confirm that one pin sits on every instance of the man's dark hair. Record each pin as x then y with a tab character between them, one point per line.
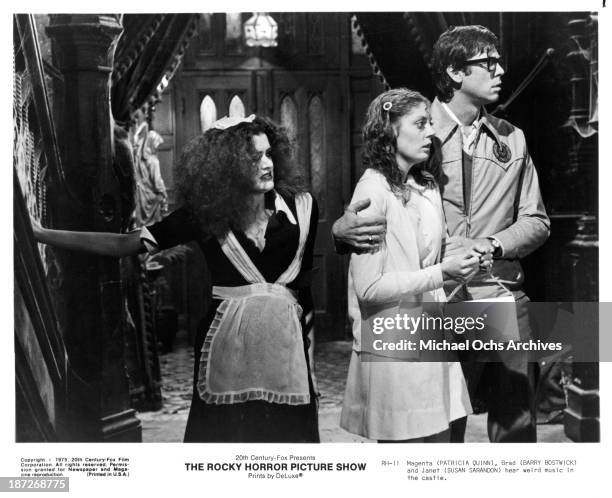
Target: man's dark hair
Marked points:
455	46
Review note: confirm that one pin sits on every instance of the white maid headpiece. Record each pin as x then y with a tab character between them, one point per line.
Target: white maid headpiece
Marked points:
227	122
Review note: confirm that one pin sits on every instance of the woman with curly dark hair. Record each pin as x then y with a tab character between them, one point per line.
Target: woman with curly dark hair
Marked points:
246	207
393	395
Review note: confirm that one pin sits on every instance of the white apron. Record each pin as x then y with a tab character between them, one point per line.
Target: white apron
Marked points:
254	348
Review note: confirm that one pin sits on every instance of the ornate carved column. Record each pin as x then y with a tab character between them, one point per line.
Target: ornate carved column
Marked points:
93	314
581	418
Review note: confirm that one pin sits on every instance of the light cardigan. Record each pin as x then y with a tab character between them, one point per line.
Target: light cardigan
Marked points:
405	271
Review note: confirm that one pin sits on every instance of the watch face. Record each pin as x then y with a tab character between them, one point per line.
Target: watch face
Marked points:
496	246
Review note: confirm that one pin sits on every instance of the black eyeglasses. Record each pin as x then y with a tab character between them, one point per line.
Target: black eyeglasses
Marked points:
488	63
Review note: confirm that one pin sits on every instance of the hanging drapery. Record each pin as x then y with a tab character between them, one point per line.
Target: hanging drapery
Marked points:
148	54
392	51
399	44
151	47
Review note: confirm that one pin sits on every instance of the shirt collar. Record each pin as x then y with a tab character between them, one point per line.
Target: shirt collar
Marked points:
443	123
281	205
475	124
454	117
412	183
446	123
487	121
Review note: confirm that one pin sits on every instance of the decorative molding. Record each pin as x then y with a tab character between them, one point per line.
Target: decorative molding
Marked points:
42	106
94	35
135	46
288	112
314	33
582	52
373	64
36	329
316	150
177	59
419	37
287	33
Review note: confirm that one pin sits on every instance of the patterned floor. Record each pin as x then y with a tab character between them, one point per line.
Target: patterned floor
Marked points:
177	374
331	360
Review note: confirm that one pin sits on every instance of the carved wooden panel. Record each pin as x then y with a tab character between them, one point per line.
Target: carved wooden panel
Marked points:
40	355
287	31
316	138
314	33
205	39
234	43
289	116
163	123
28	156
289	119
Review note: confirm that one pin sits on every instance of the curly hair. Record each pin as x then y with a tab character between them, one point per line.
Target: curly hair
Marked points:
455	46
380	141
214	174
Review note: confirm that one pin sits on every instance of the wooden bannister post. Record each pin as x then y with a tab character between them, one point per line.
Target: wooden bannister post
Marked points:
93	312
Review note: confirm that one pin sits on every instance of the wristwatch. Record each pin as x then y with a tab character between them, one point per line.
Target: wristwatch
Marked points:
497	247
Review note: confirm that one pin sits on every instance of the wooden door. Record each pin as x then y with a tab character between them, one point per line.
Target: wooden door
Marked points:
198	94
200	98
310	105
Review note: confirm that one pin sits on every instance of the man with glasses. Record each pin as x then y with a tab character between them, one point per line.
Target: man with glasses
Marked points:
492	205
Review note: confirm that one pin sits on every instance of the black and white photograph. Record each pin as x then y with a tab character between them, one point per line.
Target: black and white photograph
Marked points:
306	233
